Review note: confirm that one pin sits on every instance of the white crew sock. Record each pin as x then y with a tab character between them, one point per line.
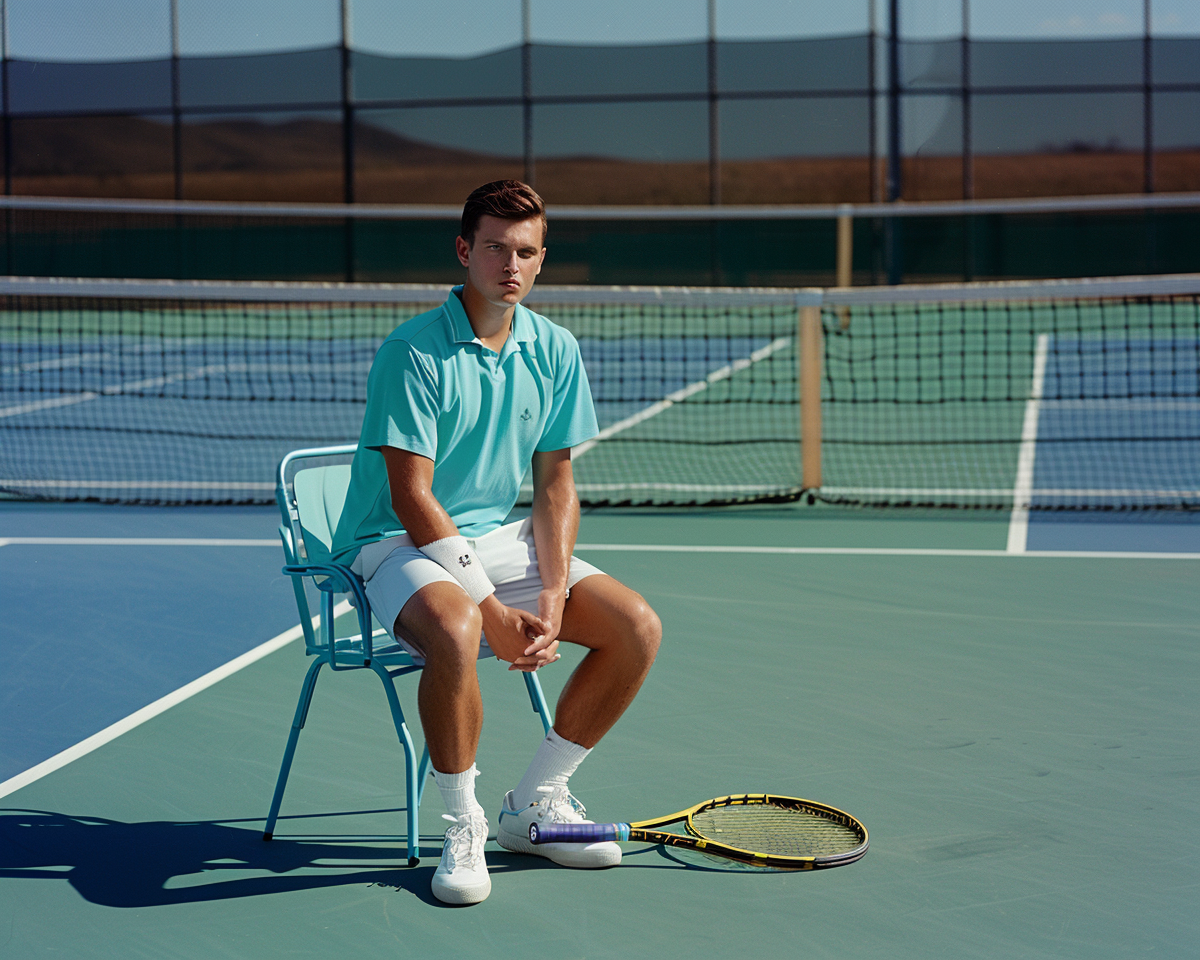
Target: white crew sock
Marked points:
556	759
458	791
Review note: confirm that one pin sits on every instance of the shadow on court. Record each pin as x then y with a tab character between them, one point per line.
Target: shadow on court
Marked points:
157	863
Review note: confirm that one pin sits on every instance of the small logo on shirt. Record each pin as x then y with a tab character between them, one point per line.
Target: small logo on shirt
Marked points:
465	560
526	415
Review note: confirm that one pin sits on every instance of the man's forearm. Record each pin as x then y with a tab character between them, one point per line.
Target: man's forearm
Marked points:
425	520
555	523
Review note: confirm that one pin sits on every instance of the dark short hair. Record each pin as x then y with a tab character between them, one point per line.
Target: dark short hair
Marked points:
505	199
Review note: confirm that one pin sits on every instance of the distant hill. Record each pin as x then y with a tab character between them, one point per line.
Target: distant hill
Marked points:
136	145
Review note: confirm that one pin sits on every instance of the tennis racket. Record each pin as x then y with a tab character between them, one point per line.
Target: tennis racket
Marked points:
756	828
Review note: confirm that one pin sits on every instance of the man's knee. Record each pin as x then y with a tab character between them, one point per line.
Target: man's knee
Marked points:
643	632
650	630
443	624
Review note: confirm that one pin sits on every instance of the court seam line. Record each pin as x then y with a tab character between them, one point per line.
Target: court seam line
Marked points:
652	548
152	710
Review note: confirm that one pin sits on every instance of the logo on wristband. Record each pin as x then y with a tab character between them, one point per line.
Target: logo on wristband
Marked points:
465	560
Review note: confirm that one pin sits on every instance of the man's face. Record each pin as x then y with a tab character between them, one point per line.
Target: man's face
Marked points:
505	258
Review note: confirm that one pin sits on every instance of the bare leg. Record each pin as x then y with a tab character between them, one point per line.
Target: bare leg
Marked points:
441	621
622	634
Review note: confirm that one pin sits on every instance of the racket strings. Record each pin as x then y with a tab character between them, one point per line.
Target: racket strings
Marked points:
776	831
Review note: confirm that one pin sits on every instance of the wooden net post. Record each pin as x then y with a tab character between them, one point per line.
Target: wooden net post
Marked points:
810	340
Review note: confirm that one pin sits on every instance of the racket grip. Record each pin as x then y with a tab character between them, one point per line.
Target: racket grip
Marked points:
577	832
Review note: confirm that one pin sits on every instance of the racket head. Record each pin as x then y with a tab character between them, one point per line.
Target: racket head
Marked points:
777	831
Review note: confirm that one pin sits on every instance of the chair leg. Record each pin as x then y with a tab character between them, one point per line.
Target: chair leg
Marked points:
423	775
412	789
306	693
538	699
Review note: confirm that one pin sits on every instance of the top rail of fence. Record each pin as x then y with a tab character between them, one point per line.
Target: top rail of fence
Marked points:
367	211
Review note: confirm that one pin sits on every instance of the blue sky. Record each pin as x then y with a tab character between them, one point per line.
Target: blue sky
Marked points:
139	29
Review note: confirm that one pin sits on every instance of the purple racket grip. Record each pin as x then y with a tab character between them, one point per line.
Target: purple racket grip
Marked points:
577	832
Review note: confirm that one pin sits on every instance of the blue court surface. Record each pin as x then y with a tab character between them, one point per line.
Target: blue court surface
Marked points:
1017	730
1122	416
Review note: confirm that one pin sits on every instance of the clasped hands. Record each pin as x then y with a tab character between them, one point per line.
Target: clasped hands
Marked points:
527	641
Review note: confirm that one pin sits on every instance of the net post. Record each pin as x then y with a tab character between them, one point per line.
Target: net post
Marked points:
810	336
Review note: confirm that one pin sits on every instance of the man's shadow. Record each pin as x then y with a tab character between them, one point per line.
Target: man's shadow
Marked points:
155	863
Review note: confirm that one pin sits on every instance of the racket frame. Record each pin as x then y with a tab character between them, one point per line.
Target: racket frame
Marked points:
643	832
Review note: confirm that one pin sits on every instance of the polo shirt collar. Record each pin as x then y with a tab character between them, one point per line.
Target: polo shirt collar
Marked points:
522	326
458	317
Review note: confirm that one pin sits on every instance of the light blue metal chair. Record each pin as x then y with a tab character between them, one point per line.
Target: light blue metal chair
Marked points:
311	491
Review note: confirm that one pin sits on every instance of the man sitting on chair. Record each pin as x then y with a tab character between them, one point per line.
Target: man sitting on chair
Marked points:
460	401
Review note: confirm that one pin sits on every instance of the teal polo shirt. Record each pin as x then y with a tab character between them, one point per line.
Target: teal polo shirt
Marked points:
435	390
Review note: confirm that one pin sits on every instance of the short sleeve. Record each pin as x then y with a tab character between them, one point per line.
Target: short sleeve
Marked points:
402	401
572	416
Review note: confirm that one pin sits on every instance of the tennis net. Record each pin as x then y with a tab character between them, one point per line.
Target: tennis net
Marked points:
1082	394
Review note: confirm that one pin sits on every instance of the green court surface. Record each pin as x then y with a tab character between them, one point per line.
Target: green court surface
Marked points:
1017	732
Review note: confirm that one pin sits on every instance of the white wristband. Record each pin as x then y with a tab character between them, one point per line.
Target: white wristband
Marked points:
455	556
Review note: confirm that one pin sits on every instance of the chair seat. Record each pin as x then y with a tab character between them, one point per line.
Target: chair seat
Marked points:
386	651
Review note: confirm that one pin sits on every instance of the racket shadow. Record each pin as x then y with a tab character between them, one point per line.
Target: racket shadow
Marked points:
695	860
657	857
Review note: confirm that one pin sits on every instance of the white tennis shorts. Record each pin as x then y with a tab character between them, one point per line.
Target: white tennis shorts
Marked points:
509	559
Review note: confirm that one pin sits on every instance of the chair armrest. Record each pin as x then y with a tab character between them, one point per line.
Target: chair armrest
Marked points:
340	579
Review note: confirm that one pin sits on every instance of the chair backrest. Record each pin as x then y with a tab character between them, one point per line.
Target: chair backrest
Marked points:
310	489
320	493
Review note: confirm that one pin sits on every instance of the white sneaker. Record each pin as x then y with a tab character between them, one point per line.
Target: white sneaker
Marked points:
556	805
462	876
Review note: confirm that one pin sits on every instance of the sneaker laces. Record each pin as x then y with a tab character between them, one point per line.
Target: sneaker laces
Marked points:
464	841
562	806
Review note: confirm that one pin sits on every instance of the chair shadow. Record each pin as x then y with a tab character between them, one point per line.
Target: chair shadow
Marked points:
156	863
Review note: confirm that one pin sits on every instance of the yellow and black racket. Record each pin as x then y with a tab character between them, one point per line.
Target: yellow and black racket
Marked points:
755	828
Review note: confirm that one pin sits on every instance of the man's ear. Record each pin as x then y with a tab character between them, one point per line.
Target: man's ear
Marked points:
463	249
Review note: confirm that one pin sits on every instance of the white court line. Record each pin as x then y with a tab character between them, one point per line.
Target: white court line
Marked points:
82	359
678	487
1006	492
727	488
642	548
132	542
886	551
114	390
148	712
1018	525
724	373
139	484
35	405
